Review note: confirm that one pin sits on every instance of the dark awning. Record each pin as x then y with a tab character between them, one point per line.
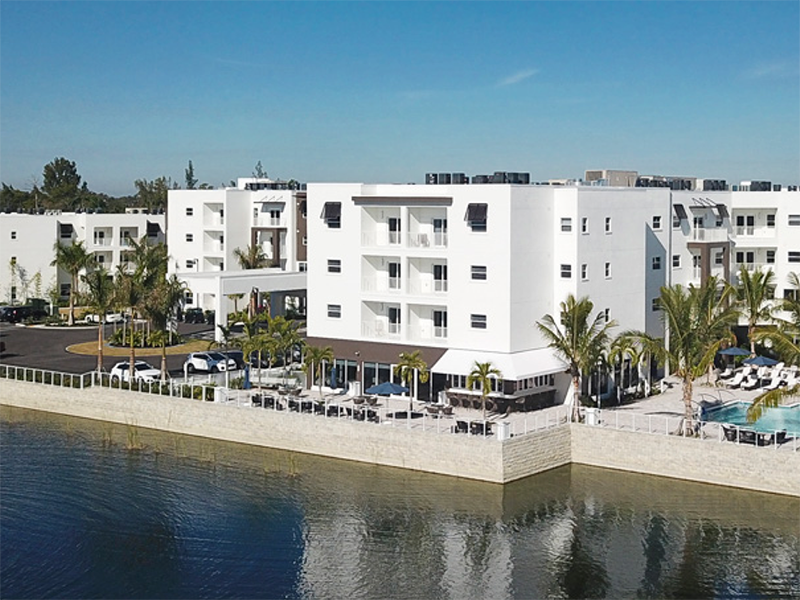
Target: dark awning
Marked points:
153	229
680	212
332	211
722	211
65	229
476	212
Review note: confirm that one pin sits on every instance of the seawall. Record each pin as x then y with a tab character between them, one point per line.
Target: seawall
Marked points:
471	457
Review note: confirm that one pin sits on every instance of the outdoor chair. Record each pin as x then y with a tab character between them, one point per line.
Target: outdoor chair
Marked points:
738	378
358	400
432	410
447	410
727	373
372	400
461	427
257	400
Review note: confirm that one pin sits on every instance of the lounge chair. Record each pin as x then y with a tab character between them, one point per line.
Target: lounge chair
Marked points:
727	373
738	378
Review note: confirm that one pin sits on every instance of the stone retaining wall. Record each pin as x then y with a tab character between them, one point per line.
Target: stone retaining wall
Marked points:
471	457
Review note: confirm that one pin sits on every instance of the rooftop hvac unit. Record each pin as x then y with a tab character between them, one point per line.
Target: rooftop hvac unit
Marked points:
500	177
481	179
444	178
776	187
460	178
431	178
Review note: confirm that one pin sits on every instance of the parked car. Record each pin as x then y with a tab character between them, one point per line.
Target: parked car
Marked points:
237	356
21	313
5	312
208	361
110	318
143	372
194	315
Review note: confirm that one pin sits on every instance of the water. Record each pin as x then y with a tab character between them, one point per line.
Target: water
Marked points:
780	418
82	516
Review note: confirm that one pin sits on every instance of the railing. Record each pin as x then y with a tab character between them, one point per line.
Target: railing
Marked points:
752	231
422	286
701	234
380	329
103	241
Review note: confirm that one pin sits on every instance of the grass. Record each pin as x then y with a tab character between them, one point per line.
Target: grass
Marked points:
90	349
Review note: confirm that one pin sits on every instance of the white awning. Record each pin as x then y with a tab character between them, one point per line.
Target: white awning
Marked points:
514	366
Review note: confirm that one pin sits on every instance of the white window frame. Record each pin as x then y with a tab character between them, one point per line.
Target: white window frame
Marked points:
566	224
566	271
478	321
334	311
334	265
476	274
656	222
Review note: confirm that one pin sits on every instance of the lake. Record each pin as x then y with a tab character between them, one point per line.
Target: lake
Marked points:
89	509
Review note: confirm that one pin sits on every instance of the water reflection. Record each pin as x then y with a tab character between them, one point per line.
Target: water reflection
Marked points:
186	517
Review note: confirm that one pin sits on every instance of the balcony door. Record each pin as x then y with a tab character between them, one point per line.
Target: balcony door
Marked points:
394	230
394	320
394	276
440	278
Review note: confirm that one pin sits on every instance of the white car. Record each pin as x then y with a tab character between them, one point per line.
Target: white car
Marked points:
143	372
209	361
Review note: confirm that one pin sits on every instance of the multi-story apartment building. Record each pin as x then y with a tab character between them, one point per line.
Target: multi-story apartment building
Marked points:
205	227
27	244
464	272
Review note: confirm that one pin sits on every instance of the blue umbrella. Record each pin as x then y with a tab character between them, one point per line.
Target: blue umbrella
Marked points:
386	388
760	361
333	378
734	351
246	385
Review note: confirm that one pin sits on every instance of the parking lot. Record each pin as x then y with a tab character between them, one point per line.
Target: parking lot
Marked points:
46	348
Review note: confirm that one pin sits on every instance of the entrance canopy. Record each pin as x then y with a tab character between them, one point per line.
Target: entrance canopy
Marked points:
514	366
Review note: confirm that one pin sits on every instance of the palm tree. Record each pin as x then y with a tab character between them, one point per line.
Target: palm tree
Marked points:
698	321
315	357
72	259
482	374
129	293
578	339
785	339
409	365
159	307
286	336
252	257
753	294
100	287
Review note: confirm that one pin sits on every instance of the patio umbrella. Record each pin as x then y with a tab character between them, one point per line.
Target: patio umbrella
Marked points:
386	388
246	385
760	361
734	351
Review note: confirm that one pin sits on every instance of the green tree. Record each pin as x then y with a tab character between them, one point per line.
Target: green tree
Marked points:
153	194
482	374
62	184
100	298
160	305
407	368
753	294
129	293
698	319
314	360
191	180
73	259
259	171
252	257
577	338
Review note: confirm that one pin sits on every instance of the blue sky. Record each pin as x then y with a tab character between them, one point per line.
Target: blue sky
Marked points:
384	92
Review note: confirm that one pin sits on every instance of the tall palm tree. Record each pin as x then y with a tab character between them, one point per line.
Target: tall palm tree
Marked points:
73	259
578	339
287	337
409	365
482	374
698	320
100	288
753	294
252	257
161	303
315	358
129	293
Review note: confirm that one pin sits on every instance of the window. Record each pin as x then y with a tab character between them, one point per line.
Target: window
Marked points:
478	272
334	265
334	311
789	294
99	259
771	220
439	278
656	263
608	270
794	220
608	224
584	272
440	323
794	257
478	321
607	315
566	271
676	261
189	237
719	257
275	217
745	257
188	298
13	235
302	266
477	216
566	224
255	213
657	222
394	276
584	224
190	264
332	214
65	289
13	293
654	306
770	257
305	240
395	229
189	211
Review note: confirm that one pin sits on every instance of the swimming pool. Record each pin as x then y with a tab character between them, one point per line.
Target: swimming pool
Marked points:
773	419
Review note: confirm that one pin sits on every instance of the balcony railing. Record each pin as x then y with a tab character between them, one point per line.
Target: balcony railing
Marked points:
422	286
411	240
103	241
380	330
754	266
383	284
428	334
709	235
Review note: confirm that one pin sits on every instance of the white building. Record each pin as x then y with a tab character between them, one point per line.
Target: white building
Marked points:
205	227
26	241
464	272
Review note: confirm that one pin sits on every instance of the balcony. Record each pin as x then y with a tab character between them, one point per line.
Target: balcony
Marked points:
428	334
381	284
709	235
380	330
754	266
